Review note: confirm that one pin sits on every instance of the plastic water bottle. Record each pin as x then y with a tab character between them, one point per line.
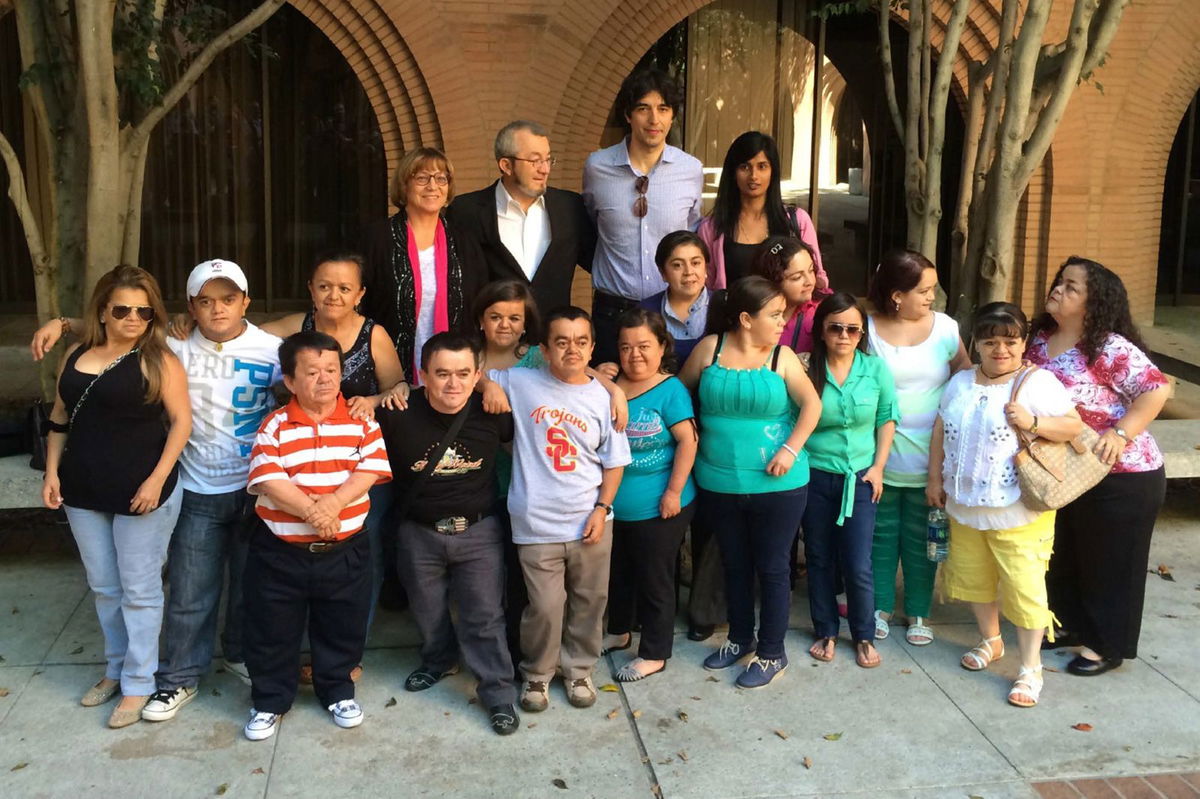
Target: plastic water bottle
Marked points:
937	547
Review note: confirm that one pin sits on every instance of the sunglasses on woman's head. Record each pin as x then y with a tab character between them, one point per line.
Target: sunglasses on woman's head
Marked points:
121	311
640	206
837	329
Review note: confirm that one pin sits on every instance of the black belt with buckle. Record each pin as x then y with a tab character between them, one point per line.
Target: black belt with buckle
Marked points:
455	525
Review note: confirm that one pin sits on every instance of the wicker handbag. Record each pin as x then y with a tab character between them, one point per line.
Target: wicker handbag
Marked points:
1054	473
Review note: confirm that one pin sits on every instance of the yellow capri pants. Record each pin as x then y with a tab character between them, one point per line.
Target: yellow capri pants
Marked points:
1010	562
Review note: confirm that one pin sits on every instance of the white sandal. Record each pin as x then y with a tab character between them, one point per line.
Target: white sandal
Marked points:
918	633
882	628
1028	683
982	654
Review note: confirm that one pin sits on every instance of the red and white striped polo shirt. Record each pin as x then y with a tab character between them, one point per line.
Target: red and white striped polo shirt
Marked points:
318	457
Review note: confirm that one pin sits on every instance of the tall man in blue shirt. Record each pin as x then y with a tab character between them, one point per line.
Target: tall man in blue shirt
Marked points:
637	191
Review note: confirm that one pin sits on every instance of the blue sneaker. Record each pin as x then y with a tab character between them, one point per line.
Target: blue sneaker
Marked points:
728	655
761	671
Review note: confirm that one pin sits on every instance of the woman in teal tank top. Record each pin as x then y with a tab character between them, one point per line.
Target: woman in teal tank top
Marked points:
757	407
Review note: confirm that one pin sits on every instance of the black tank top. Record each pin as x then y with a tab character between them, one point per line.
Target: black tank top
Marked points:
116	437
358	368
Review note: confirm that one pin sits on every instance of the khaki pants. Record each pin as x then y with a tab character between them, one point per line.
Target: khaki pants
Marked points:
563	625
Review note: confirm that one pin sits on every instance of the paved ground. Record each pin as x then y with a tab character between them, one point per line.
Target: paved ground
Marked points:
918	726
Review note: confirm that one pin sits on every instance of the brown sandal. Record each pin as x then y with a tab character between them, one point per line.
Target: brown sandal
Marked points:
828	646
862	658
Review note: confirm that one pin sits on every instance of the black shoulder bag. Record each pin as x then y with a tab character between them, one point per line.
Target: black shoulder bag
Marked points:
435	457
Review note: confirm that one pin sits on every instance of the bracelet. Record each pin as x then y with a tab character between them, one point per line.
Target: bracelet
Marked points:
795	454
65	322
607	508
1034	428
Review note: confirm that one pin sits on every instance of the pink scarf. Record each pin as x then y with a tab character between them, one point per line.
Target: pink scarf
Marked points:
441	262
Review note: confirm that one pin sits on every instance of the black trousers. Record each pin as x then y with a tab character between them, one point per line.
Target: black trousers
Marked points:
1097	577
641	580
285	586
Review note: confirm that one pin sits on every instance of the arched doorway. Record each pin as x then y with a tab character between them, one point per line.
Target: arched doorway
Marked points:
1179	239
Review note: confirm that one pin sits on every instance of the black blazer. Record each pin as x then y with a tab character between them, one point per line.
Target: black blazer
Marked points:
572	241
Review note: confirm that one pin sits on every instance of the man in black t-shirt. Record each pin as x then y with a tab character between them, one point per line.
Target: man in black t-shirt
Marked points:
450	544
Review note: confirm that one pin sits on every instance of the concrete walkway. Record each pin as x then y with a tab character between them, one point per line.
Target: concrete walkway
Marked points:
918	726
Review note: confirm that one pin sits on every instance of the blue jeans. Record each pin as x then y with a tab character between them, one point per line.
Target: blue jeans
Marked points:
212	530
124	556
828	547
380	521
755	533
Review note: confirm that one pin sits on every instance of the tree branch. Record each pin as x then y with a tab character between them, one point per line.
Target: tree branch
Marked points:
235	33
926	74
998	64
1103	29
885	57
47	305
1018	92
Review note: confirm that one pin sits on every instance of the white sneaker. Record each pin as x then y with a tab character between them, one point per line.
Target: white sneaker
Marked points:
163	705
238	669
262	725
346	713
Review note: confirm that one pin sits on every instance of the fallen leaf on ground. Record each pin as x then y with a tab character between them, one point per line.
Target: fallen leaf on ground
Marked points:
696	698
258	770
3	692
655	789
558	783
18	767
682	716
1082	726
833	736
77	650
974	796
222	788
666	761
906	671
612	714
16	611
806	762
781	734
531	725
446	714
683	755
609	688
637	714
709	678
1169	616
390	703
215	692
1165	572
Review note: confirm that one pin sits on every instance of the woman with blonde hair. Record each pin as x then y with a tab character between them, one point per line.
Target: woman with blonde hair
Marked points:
421	275
111	463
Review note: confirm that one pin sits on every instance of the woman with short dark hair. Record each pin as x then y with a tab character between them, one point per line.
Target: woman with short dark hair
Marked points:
1097	577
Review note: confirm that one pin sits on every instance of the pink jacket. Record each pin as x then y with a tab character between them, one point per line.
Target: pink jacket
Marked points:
716	249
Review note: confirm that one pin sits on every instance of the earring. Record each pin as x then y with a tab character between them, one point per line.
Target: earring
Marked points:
897	307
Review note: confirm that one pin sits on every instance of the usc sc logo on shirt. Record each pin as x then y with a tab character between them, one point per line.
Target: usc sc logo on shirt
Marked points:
560	449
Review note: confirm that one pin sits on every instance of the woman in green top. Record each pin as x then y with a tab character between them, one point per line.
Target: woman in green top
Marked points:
847	453
756	409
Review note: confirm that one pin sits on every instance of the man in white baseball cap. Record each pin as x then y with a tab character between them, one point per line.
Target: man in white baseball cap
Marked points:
216	268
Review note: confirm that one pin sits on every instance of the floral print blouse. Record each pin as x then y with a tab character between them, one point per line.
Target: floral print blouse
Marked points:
1103	392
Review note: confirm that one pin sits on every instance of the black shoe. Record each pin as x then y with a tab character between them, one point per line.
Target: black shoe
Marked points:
1061	640
505	720
700	632
427	677
1085	667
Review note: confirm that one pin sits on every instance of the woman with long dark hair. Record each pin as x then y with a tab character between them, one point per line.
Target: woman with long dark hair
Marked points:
757	408
846	453
112	464
1097	577
790	264
749	208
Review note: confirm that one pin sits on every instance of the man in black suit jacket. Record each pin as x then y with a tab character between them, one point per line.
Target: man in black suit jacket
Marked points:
527	230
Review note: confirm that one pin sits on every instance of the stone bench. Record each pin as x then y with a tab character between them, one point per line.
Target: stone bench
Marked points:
1178	439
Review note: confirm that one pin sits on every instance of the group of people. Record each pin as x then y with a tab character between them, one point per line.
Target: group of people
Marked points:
532	470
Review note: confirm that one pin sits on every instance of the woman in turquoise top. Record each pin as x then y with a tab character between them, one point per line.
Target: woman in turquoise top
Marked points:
656	500
757	408
847	453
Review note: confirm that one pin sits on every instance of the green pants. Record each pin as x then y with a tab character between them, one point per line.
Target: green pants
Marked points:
900	536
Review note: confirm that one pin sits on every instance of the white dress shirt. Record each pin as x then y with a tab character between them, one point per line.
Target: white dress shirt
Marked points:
526	234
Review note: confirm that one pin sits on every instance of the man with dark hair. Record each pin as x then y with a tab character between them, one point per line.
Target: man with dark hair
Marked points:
637	191
311	467
526	229
567	464
451	545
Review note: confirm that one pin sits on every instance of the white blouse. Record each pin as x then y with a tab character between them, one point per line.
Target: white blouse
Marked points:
979	477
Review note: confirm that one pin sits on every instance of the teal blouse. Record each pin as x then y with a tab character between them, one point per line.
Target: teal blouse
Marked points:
844	440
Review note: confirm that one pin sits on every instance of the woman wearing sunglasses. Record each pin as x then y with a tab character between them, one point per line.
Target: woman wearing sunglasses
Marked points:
111	463
749	208
846	453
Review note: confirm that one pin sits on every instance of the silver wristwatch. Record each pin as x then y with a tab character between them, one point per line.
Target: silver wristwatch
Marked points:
1121	432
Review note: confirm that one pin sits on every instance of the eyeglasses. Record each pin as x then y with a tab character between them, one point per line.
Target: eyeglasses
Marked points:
537	163
640	206
145	312
838	329
423	180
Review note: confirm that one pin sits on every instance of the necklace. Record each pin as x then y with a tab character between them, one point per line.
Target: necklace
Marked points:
1002	374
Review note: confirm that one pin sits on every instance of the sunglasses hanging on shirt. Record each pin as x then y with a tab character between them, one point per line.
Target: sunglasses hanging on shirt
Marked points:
640	206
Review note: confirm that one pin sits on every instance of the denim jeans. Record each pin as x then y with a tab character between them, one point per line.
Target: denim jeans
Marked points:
212	530
379	524
124	556
755	532
828	547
